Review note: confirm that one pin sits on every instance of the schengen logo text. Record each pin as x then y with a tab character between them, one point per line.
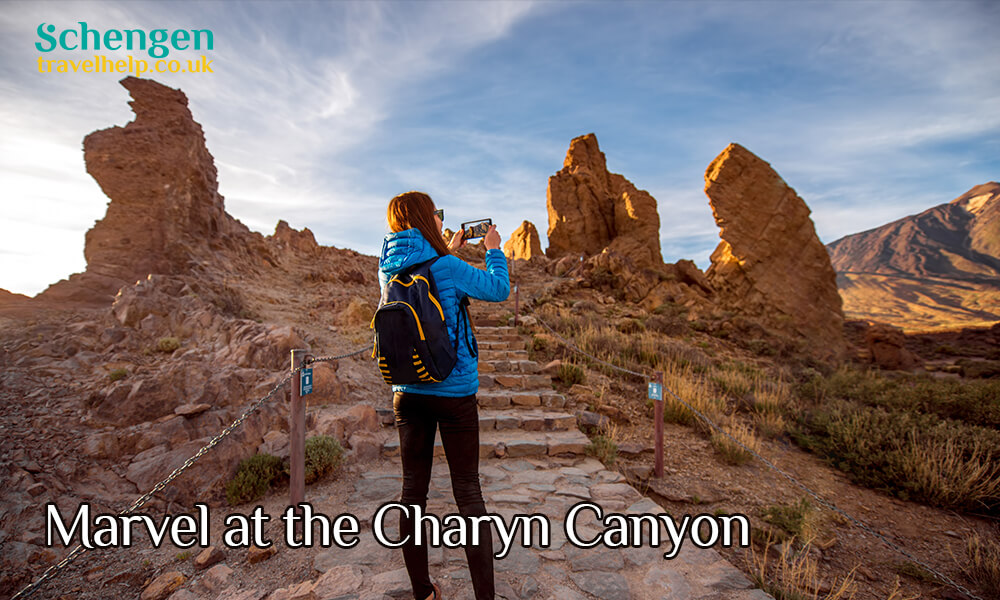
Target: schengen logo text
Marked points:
156	42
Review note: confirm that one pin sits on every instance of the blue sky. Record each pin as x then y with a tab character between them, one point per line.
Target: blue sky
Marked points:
318	113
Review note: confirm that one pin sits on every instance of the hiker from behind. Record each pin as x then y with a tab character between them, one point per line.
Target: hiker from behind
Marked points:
427	350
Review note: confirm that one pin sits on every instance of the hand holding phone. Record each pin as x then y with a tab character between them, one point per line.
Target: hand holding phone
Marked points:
476	229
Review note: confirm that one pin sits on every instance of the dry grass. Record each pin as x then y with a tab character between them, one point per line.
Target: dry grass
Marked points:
734	453
982	563
770	425
948	475
696	392
794	575
737	382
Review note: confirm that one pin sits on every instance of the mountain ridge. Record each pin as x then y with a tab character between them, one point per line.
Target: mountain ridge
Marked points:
937	269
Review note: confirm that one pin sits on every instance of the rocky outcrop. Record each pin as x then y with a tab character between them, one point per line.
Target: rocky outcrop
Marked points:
524	243
286	237
165	211
591	209
770	263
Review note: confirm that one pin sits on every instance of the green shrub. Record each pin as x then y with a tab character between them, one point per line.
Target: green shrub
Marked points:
168	344
604	449
323	455
570	374
942	462
539	343
254	476
795	519
979	369
974	402
118	374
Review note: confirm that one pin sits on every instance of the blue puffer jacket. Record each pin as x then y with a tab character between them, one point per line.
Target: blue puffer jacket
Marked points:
455	279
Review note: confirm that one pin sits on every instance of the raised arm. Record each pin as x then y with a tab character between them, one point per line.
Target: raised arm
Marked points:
491	284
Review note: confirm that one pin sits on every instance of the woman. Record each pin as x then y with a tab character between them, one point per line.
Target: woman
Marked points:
451	404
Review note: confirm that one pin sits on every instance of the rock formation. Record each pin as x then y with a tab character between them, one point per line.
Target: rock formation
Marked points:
165	210
770	263
591	209
524	243
939	269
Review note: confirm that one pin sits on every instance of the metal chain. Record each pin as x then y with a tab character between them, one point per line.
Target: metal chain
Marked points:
941	576
141	500
315	359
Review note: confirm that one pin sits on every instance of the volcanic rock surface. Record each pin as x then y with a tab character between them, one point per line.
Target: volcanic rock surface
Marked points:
183	318
770	263
934	270
591	209
524	243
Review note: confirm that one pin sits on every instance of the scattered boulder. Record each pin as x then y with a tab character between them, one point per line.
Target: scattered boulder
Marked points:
887	347
339	582
215	579
365	446
591	209
275	443
770	263
208	557
256	554
163	586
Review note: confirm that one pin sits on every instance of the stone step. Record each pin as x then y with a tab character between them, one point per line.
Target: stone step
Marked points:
496	330
526	420
511	345
514	443
513	381
501	398
499	337
487	355
487	321
490	321
509	366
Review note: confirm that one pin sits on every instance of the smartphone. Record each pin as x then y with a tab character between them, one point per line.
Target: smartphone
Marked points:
476	229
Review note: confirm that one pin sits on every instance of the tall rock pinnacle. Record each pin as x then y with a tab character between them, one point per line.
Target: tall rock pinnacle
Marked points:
770	262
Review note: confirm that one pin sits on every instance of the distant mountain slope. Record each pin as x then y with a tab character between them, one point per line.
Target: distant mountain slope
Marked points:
935	270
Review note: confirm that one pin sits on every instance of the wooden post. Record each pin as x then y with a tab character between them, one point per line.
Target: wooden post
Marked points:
517	302
658	415
297	436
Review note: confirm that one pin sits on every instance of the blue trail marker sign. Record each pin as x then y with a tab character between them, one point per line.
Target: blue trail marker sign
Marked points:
306	382
655	391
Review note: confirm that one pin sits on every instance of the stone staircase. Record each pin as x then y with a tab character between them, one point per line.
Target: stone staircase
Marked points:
519	413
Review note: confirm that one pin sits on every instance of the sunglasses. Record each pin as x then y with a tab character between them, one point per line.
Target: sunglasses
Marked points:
440	214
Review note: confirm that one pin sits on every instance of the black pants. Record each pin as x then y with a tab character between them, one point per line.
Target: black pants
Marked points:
417	417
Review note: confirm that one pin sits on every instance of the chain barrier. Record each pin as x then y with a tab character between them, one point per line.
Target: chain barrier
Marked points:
141	500
863	526
315	359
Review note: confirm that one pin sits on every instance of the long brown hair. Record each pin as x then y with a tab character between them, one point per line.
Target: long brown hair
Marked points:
415	210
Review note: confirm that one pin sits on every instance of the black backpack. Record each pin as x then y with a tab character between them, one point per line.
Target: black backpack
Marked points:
411	336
